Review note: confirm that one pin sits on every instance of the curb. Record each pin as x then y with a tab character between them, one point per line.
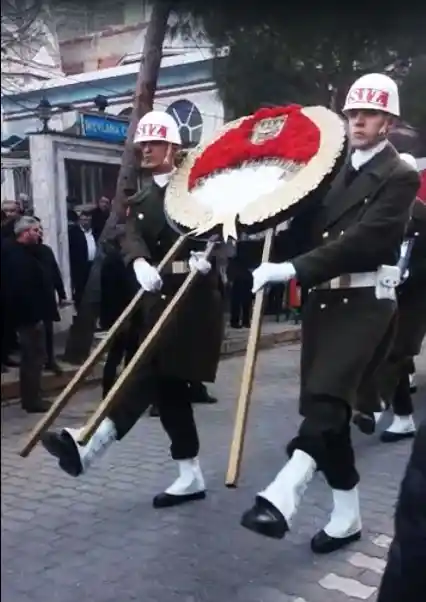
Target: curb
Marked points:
231	348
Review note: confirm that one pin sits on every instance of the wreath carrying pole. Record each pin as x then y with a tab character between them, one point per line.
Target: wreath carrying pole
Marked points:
243	403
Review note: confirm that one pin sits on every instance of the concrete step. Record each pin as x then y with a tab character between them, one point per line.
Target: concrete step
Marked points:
235	343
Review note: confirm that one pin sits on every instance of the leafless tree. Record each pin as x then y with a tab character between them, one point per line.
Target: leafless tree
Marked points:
25	29
19	22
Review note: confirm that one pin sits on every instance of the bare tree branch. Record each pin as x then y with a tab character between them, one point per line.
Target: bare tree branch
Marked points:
26	28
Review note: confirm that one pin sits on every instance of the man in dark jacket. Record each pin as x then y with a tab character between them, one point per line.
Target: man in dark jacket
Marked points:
30	301
404	579
9	339
54	276
82	249
100	215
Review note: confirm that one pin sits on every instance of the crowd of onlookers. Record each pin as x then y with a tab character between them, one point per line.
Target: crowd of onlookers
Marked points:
32	290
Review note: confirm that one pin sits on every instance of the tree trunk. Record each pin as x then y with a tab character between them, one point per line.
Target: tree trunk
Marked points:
80	336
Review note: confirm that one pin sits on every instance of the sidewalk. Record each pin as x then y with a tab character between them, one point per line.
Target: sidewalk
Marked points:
98	539
235	343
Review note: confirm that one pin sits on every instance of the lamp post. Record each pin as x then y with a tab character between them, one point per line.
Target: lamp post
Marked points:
44	113
101	103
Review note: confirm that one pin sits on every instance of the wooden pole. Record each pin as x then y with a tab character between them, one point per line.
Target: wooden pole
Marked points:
243	403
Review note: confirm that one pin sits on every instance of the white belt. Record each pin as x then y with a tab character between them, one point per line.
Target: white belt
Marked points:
361	280
176	267
179	267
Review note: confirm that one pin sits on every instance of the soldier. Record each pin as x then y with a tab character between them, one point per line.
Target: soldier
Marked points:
345	252
190	347
395	377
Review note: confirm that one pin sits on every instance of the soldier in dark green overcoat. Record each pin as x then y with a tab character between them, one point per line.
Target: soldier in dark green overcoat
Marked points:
394	377
345	252
189	348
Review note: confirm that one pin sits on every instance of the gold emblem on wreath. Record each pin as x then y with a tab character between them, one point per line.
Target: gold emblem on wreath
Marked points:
267	129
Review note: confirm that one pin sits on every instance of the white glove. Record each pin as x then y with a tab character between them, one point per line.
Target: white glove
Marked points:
199	263
405	276
272	272
147	276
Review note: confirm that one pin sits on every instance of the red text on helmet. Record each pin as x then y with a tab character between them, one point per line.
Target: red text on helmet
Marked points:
378	98
153	129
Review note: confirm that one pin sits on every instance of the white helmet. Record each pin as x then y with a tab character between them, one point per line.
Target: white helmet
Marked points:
157	126
410	160
374	91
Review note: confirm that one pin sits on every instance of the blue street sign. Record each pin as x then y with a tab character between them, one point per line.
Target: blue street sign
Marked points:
104	127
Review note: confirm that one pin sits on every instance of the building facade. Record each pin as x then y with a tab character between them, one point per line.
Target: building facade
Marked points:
73	151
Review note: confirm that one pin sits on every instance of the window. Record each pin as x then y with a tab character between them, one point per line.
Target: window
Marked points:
74	19
189	120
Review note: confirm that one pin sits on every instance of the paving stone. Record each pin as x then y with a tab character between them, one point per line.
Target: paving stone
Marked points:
98	538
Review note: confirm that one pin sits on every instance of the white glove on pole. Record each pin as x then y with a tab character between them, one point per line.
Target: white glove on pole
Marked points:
268	273
199	263
147	276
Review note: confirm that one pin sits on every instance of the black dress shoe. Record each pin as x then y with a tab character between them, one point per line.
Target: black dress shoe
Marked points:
166	500
54	367
389	437
63	447
10	363
322	543
204	398
365	422
265	519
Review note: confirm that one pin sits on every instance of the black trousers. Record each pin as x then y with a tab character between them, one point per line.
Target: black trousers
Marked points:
79	284
172	398
325	435
33	355
241	300
9	337
402	404
122	349
50	353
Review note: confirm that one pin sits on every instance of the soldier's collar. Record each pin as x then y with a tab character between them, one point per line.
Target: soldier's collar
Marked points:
360	157
162	179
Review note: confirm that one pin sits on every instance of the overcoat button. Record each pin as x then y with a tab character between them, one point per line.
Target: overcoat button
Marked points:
345	300
325	235
140	215
323	306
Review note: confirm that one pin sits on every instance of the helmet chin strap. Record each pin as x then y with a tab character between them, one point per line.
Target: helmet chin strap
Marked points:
167	161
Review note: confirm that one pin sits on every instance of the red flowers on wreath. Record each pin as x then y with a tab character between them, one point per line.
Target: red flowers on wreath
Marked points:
291	137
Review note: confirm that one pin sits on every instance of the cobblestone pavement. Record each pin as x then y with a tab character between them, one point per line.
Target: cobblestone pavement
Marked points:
98	539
